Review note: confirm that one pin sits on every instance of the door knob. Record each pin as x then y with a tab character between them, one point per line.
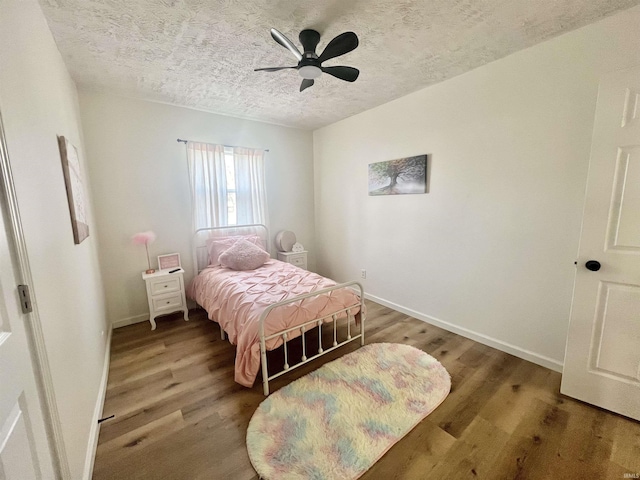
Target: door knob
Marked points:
593	265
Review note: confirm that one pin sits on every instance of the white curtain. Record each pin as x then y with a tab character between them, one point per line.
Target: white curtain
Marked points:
251	195
209	192
208	185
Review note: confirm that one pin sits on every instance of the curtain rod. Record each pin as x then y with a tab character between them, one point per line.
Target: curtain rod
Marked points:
230	146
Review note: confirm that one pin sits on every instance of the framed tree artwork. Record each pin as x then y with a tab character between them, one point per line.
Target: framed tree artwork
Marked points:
75	189
401	176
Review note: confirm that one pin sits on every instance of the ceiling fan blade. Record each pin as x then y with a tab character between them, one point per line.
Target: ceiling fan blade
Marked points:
286	43
271	69
306	83
343	43
309	40
348	74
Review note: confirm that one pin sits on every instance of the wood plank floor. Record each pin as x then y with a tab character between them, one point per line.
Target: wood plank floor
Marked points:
179	414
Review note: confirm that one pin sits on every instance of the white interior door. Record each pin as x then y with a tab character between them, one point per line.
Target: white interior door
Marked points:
602	361
24	449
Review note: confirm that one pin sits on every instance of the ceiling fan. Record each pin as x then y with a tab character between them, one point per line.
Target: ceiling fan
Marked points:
309	63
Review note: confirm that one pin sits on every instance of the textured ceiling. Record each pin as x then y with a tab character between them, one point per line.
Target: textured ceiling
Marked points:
201	53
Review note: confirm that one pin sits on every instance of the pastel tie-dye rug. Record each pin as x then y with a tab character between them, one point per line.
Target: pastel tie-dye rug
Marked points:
336	422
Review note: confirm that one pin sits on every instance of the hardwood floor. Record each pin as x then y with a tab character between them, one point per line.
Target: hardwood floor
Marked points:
179	414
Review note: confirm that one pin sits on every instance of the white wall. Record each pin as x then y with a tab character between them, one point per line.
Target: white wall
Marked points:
38	101
140	180
490	249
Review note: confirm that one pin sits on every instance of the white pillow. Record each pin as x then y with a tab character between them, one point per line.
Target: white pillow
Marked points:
243	255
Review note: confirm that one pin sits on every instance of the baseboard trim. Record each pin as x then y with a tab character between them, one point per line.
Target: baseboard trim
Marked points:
92	444
533	357
123	322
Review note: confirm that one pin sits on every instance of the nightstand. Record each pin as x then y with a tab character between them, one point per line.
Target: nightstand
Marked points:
299	259
165	293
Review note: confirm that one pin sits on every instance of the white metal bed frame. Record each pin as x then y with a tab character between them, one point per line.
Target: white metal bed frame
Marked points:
201	260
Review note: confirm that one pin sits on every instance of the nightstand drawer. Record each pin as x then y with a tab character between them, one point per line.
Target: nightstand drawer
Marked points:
164	285
298	260
167	302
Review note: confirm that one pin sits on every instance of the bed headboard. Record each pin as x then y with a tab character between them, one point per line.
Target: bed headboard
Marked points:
200	253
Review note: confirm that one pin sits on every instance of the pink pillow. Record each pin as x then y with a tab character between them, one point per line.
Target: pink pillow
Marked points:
243	255
217	245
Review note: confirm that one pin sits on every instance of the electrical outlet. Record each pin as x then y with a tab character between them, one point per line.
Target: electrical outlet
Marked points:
363	273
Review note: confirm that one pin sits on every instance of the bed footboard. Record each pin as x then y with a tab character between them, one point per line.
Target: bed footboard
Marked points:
305	327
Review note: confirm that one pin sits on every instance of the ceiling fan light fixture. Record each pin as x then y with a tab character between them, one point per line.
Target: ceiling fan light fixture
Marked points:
309	72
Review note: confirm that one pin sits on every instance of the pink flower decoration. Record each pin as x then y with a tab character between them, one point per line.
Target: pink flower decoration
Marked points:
143	238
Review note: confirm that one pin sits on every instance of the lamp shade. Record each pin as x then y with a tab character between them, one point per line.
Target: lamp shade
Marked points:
143	238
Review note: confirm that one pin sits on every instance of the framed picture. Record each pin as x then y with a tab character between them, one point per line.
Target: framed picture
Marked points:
401	176
171	260
75	189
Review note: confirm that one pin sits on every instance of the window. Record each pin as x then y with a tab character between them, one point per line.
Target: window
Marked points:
227	185
232	216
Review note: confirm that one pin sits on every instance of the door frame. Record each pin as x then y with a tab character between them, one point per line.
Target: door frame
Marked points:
35	335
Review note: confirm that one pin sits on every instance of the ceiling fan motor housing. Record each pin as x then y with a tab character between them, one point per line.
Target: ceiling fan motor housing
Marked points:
309	66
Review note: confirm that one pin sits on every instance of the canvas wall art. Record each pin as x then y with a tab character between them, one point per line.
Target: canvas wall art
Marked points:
397	177
75	189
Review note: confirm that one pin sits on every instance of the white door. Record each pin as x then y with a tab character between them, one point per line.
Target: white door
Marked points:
602	361
24	450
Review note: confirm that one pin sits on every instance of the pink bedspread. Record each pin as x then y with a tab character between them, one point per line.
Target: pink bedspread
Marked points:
236	299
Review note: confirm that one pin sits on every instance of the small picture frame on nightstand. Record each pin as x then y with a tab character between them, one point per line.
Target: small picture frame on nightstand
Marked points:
171	260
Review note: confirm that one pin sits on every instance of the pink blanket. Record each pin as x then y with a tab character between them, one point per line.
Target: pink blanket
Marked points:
235	299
